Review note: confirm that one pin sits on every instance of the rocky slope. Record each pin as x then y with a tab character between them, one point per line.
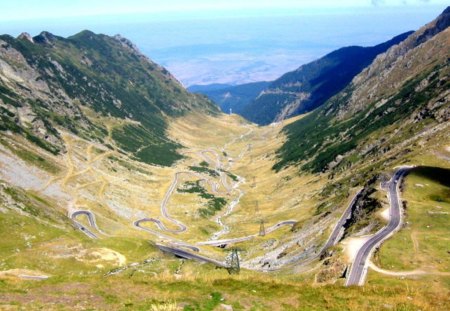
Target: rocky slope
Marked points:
48	82
402	96
313	84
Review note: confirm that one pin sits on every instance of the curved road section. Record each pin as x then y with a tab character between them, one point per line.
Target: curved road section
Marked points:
359	267
173	241
82	228
188	255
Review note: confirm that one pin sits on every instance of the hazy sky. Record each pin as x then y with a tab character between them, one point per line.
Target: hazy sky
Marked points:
226	41
27	9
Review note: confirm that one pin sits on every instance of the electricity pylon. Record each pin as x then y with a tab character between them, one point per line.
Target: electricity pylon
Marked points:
262	229
234	266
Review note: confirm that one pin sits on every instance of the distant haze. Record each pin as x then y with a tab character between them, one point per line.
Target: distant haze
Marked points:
238	48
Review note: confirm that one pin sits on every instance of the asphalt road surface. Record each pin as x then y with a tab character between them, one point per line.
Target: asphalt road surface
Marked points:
359	267
188	255
332	240
338	230
248	237
83	229
163	236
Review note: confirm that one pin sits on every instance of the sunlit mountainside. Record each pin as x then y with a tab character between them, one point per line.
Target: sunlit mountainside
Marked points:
122	190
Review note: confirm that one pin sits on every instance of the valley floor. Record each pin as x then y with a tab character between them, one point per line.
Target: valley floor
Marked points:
81	230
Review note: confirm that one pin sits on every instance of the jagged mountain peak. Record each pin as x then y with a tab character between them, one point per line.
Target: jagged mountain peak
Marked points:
435	27
25	36
127	43
132	48
45	37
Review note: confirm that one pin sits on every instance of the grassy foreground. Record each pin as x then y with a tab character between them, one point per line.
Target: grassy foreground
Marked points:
78	266
141	291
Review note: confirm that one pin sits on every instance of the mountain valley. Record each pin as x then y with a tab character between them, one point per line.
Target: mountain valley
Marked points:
120	189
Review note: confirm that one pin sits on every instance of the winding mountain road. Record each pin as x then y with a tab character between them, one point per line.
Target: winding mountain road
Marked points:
173	245
336	233
163	207
359	267
215	189
248	237
175	250
91	219
188	255
164	202
163	236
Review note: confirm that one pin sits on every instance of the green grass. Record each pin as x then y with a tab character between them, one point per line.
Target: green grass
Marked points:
22	237
140	291
208	305
317	139
147	145
213	205
112	80
45	246
427	193
199	287
205	170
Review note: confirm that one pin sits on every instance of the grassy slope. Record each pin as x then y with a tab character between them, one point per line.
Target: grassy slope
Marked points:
81	282
112	79
78	283
139	289
424	240
394	99
422	243
321	138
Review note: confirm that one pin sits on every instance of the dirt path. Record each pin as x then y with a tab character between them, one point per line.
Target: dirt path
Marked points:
72	172
229	188
397	273
25	274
